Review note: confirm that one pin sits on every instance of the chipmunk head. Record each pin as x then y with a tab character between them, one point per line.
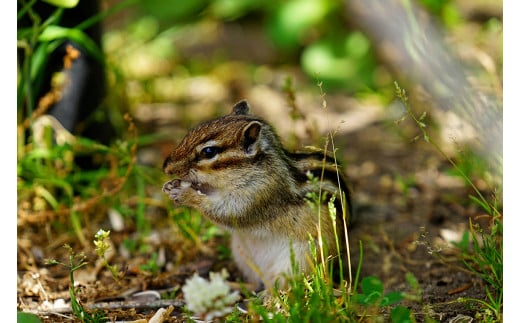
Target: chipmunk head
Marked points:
216	143
211	154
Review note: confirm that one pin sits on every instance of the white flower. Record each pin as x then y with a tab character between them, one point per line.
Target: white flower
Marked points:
209	299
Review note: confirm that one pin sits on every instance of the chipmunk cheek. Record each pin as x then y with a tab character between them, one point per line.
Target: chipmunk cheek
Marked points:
202	188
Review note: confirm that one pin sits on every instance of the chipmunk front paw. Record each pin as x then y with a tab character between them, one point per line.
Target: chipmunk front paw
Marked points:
175	188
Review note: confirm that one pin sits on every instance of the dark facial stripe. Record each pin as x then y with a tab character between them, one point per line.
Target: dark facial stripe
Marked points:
229	162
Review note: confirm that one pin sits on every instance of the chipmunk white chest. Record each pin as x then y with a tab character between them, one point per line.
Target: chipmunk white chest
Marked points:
268	259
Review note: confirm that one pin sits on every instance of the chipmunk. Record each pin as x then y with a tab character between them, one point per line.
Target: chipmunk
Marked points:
235	171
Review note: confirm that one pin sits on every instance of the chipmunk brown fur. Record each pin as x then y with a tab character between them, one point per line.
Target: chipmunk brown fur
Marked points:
235	171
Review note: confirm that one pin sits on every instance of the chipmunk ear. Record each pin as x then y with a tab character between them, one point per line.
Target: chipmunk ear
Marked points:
250	136
241	107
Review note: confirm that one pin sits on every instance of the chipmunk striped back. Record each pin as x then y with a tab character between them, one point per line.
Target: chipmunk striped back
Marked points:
235	171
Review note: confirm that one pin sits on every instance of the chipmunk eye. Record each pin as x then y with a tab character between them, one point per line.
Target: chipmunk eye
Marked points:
209	152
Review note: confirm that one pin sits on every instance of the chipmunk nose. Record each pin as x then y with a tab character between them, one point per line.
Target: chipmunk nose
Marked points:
175	166
170	165
166	165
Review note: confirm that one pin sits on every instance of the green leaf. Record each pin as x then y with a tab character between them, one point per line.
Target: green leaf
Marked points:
463	245
47	196
38	60
38	153
232	9
481	203
412	280
341	60
322	58
368	299
392	298
63	3
23	317
175	11
372	289
401	314
293	19
371	284
52	33
56	182
357	45
24	33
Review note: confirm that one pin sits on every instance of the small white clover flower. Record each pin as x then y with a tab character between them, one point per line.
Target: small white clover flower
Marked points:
209	299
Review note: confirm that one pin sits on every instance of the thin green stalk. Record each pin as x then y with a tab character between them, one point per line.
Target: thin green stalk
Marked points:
26	89
344	209
76	225
26	7
360	261
401	93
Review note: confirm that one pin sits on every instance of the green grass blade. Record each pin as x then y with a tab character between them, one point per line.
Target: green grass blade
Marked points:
60	33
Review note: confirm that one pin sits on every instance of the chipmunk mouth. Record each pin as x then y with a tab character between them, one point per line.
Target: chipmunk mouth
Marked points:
201	188
175	184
